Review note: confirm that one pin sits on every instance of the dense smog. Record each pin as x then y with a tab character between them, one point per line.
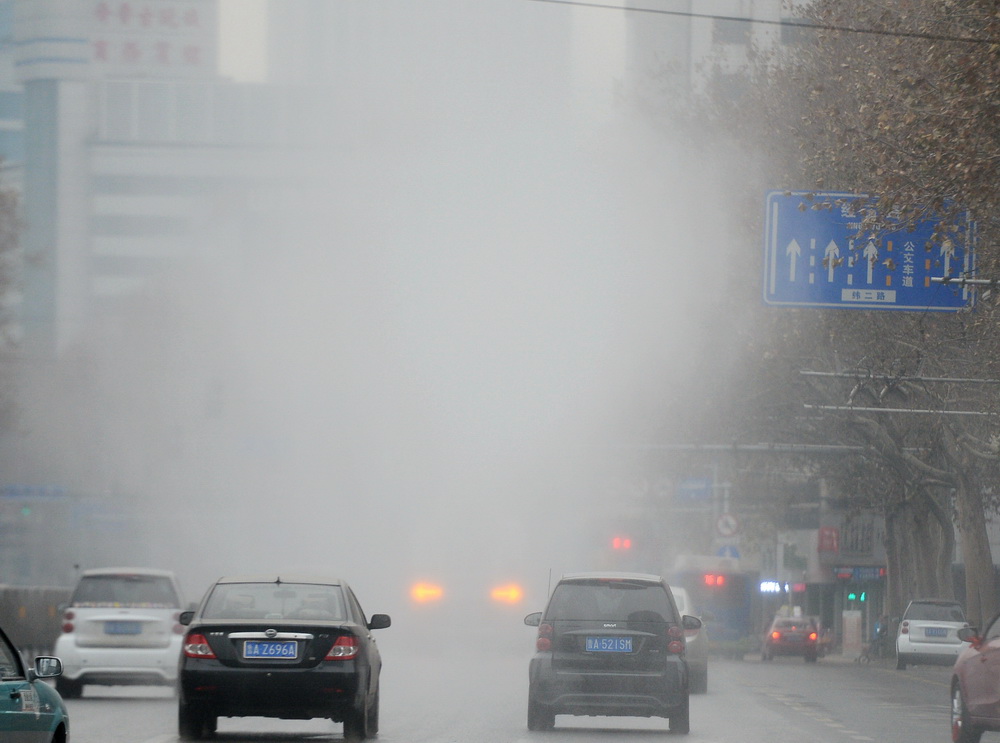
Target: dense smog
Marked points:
494	371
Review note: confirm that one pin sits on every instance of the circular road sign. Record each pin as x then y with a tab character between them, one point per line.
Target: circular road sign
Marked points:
727	525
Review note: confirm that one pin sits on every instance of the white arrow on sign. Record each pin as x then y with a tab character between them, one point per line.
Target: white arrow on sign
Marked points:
832	254
793	251
947	252
871	255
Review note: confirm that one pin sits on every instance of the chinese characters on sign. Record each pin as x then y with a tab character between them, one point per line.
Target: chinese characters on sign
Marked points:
156	38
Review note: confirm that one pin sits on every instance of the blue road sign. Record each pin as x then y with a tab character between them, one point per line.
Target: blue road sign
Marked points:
814	258
694	489
728	550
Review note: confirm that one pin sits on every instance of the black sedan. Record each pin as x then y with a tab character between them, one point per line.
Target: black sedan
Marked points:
285	647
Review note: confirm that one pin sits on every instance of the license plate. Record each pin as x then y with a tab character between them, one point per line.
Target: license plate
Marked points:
122	628
609	644
270	649
935	632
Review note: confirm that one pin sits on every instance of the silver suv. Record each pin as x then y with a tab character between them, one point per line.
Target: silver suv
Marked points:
120	627
610	644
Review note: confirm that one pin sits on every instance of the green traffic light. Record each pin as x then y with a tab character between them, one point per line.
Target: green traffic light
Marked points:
852	596
25	510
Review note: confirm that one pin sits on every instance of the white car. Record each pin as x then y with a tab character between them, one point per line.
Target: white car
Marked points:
120	628
928	633
696	642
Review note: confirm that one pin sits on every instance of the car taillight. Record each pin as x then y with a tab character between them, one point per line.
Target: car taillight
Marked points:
345	648
813	637
196	646
904	628
544	641
675	639
775	635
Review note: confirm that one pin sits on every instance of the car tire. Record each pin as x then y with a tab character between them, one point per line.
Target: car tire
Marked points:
373	716
191	722
680	721
69	688
356	724
900	663
540	716
811	657
699	682
962	731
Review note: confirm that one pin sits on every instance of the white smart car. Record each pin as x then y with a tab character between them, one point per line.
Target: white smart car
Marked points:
120	628
928	633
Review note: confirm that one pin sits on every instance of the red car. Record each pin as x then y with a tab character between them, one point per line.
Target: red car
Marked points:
975	690
793	636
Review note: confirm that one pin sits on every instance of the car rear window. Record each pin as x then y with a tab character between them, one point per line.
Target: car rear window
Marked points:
126	590
935	612
793	623
614	600
275	601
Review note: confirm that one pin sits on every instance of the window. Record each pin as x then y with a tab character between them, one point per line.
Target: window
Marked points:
275	601
135	591
10	666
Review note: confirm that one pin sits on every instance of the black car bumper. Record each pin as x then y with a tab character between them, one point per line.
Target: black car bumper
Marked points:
661	693
328	690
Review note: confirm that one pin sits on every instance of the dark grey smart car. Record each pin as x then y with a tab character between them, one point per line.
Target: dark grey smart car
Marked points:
609	644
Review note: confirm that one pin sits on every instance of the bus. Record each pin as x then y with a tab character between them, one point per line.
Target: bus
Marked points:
727	599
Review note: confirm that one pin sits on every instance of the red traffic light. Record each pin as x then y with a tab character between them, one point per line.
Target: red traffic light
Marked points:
714	580
621	543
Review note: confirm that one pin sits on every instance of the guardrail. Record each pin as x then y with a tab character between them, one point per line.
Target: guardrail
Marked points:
31	616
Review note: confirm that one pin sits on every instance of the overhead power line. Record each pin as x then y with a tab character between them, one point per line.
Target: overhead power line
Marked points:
786	23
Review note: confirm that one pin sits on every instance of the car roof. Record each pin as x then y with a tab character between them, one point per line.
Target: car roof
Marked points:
284	578
606	575
127	571
939	602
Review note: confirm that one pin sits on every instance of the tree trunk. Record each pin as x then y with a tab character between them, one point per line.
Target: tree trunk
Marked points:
981	599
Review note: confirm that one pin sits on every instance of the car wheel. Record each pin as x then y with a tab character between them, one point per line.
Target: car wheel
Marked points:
68	688
356	724
811	658
900	663
962	731
699	682
540	717
680	721
373	716
191	722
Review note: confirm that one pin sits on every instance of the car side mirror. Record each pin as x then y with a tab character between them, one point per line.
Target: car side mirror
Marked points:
968	634
185	617
379	621
47	667
534	619
690	623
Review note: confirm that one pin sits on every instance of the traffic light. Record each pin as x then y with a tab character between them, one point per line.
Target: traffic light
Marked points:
621	543
714	580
